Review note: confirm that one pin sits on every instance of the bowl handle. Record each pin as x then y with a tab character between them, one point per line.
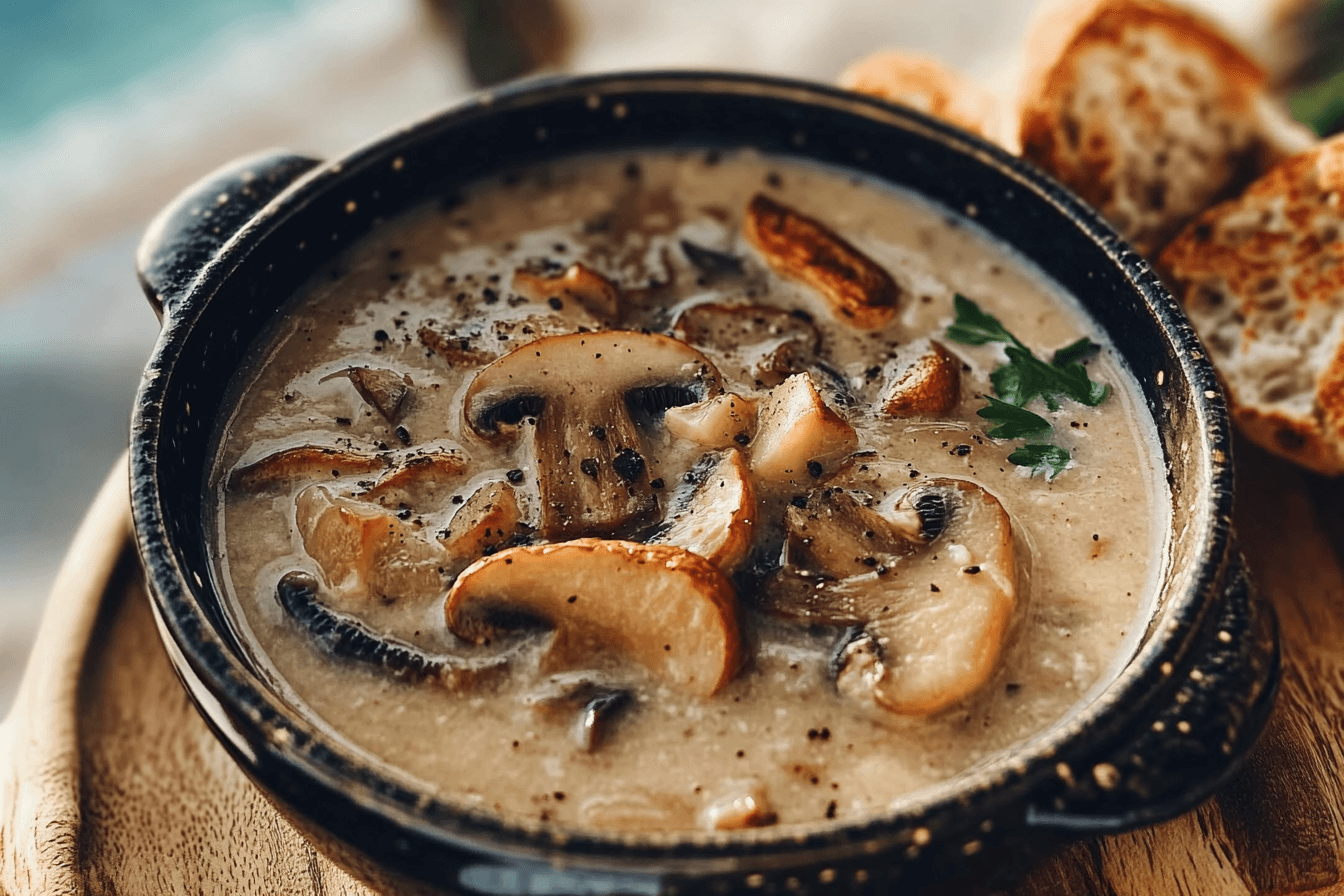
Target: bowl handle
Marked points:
186	235
1215	706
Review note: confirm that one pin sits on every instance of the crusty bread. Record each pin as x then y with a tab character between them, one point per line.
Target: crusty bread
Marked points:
927	85
1148	112
1262	278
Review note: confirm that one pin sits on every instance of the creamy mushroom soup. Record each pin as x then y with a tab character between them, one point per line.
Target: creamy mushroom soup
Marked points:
650	492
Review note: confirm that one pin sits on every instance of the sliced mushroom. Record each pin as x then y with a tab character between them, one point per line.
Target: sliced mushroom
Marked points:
924	380
935	617
837	535
717	517
575	403
386	390
802	248
487	521
305	461
772	343
719	422
365	551
738	804
347	637
662	607
579	283
798	437
421	480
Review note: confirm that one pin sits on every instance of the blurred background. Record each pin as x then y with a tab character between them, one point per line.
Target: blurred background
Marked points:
109	107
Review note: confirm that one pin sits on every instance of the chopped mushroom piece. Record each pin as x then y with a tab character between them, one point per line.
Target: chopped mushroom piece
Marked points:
738	804
717	519
797	246
719	422
662	607
304	461
386	390
924	380
367	552
458	351
421	480
486	522
772	343
934	620
579	283
798	437
576	403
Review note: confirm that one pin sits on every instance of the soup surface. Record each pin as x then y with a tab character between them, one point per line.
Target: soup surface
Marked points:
821	585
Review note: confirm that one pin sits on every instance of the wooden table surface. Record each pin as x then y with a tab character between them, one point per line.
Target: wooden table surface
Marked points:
111	783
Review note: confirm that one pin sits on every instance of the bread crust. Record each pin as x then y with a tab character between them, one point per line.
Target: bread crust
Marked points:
1262	277
927	85
1146	110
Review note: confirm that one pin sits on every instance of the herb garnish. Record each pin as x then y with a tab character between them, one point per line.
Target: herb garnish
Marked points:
1024	378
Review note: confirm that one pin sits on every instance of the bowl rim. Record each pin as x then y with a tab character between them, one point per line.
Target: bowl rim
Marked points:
281	740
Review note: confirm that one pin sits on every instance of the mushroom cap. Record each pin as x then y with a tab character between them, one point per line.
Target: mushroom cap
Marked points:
583	369
578	402
935	616
660	606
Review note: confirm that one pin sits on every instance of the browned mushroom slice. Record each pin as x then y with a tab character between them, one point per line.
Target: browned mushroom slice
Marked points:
719	422
420	480
307	462
579	283
717	518
771	342
386	390
924	381
935	616
574	404
800	247
487	521
458	351
661	607
798	437
367	552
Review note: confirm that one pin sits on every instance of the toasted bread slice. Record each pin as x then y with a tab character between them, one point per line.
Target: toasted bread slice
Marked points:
927	85
1148	112
1262	278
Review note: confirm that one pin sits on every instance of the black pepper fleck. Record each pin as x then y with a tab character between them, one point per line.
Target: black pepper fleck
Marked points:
814	469
514	476
589	467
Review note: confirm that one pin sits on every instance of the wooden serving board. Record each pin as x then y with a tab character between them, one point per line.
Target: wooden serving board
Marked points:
111	783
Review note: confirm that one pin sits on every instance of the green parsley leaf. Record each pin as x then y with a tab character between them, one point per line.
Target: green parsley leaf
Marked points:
1042	458
975	327
1077	351
1012	422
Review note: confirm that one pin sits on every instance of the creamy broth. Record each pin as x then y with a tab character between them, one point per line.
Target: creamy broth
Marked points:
778	735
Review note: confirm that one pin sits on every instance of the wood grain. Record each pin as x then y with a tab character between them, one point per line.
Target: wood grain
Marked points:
111	783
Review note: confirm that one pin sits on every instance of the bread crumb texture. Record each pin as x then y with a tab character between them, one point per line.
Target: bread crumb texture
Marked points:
1262	278
1148	112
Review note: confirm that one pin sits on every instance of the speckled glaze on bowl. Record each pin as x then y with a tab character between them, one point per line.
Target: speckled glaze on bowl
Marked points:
221	261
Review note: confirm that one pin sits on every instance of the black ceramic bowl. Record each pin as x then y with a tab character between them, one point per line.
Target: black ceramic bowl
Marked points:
223	259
